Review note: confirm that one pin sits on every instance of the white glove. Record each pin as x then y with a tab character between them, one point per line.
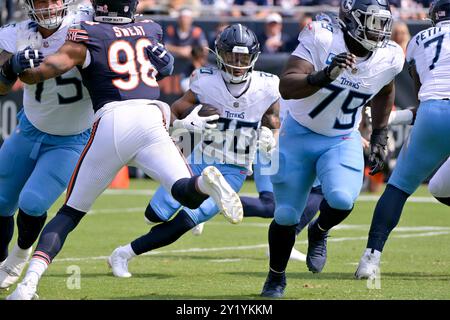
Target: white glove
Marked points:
194	122
266	142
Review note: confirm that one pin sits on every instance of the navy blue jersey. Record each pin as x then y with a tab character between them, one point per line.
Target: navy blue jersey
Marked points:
119	69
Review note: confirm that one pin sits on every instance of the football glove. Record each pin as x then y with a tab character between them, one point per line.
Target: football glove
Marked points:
266	142
161	59
18	63
338	64
378	152
194	122
26	59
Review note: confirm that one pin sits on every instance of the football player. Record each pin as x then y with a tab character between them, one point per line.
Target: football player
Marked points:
54	126
428	56
439	185
120	61
329	77
243	97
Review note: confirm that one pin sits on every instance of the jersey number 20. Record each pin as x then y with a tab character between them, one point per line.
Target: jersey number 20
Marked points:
143	70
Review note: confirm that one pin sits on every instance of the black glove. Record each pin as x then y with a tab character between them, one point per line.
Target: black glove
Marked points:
26	59
378	152
18	63
161	59
338	64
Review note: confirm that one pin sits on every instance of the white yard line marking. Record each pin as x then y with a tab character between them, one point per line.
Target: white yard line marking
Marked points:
225	260
252	247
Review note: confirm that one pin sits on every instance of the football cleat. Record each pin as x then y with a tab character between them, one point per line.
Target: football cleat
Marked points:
274	285
317	248
26	290
12	267
369	265
118	262
198	229
223	195
295	255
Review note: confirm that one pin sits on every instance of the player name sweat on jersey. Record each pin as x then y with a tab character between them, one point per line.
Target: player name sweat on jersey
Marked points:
117	67
335	109
429	51
234	141
60	106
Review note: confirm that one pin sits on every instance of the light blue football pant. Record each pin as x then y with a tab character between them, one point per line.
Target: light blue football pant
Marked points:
166	206
304	155
427	146
33	175
262	181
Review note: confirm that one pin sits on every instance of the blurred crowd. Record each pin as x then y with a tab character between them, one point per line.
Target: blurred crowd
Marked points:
256	9
259	9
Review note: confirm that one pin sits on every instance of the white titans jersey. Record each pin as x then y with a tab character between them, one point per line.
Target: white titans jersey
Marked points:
235	140
335	110
430	51
60	106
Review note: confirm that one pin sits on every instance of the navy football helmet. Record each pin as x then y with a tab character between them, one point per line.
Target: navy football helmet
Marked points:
236	50
48	18
439	11
114	11
369	22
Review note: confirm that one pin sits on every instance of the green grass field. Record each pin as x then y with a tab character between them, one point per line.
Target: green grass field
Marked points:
229	261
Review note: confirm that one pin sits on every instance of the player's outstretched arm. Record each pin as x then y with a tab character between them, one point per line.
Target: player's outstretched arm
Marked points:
299	80
68	56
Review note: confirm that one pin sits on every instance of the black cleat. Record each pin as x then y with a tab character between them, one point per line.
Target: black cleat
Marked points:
274	285
317	248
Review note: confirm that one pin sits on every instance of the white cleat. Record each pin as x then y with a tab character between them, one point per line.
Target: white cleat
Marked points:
295	255
223	195
12	267
118	262
26	290
198	229
369	265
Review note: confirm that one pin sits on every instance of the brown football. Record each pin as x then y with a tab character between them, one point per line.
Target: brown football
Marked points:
206	111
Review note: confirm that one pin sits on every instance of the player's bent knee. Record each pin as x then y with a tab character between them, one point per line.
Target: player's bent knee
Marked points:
152	216
33	203
340	200
286	216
